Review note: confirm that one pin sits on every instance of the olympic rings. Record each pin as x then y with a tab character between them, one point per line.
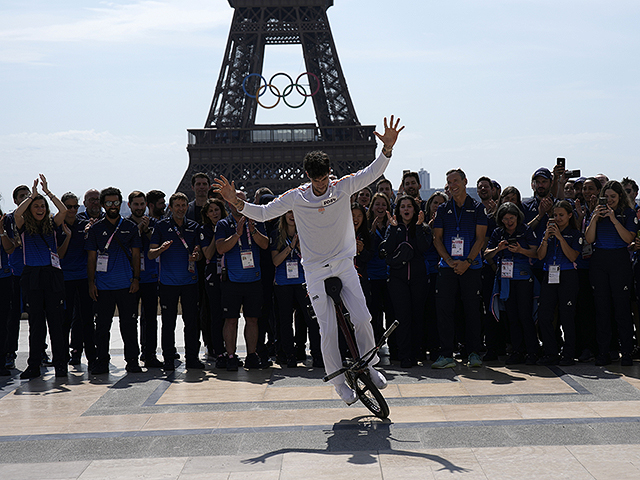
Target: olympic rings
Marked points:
263	85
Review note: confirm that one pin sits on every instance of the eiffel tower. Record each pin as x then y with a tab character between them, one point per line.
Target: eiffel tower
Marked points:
231	144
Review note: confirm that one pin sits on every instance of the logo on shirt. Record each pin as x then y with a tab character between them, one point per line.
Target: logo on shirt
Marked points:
104	234
329	201
321	210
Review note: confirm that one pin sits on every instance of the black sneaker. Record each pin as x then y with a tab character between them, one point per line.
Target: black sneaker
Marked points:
133	367
169	365
603	359
585	356
61	371
99	369
153	362
232	363
10	361
515	359
221	361
30	372
252	362
635	354
531	359
566	361
317	362
548	360
406	363
626	360
292	361
194	364
490	356
46	361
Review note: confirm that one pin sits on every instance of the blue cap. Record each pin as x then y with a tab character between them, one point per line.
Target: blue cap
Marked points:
542	172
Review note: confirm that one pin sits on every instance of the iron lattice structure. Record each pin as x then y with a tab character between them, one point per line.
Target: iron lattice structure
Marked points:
231	144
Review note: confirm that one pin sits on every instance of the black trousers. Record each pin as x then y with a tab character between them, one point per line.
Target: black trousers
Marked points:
431	335
187	295
585	314
148	296
612	279
128	319
408	298
565	296
380	305
18	304
469	285
214	293
5	309
520	312
78	318
495	333
290	297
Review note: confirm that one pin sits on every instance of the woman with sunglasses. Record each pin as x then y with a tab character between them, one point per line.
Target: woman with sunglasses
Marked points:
613	226
42	278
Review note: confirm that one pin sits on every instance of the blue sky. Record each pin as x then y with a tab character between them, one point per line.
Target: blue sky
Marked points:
101	93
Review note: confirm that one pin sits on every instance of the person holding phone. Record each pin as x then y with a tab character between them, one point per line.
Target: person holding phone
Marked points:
559	249
512	243
613	226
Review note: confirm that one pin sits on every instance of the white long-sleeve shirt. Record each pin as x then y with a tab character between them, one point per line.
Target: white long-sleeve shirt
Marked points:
324	223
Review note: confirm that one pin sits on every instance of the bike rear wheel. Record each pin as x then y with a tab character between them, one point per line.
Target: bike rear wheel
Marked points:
368	393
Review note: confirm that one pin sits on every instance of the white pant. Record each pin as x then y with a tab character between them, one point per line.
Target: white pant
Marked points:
324	308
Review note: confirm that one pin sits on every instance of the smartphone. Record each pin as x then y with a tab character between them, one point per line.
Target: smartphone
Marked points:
560	161
512	241
602	201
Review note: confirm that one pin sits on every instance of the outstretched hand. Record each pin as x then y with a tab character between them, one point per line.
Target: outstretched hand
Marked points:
223	187
391	132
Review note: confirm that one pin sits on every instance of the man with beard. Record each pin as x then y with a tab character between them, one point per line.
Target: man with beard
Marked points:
411	186
176	241
148	293
113	266
200	183
537	209
156	204
92	208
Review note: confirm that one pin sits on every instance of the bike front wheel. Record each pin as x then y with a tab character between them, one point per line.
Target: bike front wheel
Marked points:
369	395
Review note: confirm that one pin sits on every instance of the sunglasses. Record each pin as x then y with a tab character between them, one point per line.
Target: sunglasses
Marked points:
69	207
115	203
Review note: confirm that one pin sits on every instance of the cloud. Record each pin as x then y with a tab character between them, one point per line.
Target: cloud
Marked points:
124	22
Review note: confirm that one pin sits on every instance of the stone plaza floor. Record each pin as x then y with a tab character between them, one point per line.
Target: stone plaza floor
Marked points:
579	422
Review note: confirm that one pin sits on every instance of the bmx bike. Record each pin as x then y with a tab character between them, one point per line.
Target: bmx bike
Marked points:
356	369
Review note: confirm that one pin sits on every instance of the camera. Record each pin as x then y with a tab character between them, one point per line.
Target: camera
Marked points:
571	173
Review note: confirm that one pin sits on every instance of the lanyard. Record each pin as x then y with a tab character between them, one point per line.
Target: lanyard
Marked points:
455	212
106	247
289	242
184	242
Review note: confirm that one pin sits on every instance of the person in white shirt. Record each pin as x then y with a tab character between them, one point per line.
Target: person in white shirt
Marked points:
327	242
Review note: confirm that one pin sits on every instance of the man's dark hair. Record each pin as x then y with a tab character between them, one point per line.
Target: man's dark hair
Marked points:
154	195
18	189
137	194
317	164
410	174
67	196
384	180
459	171
200	175
631	182
110	191
177	196
485	179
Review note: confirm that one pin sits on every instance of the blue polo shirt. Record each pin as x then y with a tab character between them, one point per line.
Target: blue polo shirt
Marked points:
16	260
555	255
460	221
5	268
174	262
607	237
36	249
525	238
74	263
150	272
294	256
232	259
377	267
119	271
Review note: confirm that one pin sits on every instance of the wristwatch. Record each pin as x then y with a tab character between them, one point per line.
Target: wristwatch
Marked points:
469	260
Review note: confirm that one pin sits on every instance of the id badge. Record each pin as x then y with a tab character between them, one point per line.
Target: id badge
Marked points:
192	266
507	269
103	261
292	269
587	250
142	263
457	247
554	274
247	259
55	260
219	266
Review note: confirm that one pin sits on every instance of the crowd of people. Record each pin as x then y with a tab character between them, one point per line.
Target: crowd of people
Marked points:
549	280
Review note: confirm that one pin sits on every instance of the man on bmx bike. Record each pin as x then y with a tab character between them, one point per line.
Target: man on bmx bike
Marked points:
323	216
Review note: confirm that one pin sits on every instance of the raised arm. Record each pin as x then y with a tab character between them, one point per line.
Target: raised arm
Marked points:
62	210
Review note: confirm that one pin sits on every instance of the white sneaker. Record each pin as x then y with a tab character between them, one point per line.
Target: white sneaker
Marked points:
377	378
346	393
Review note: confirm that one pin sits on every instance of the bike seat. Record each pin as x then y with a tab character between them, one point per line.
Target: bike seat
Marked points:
333	287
